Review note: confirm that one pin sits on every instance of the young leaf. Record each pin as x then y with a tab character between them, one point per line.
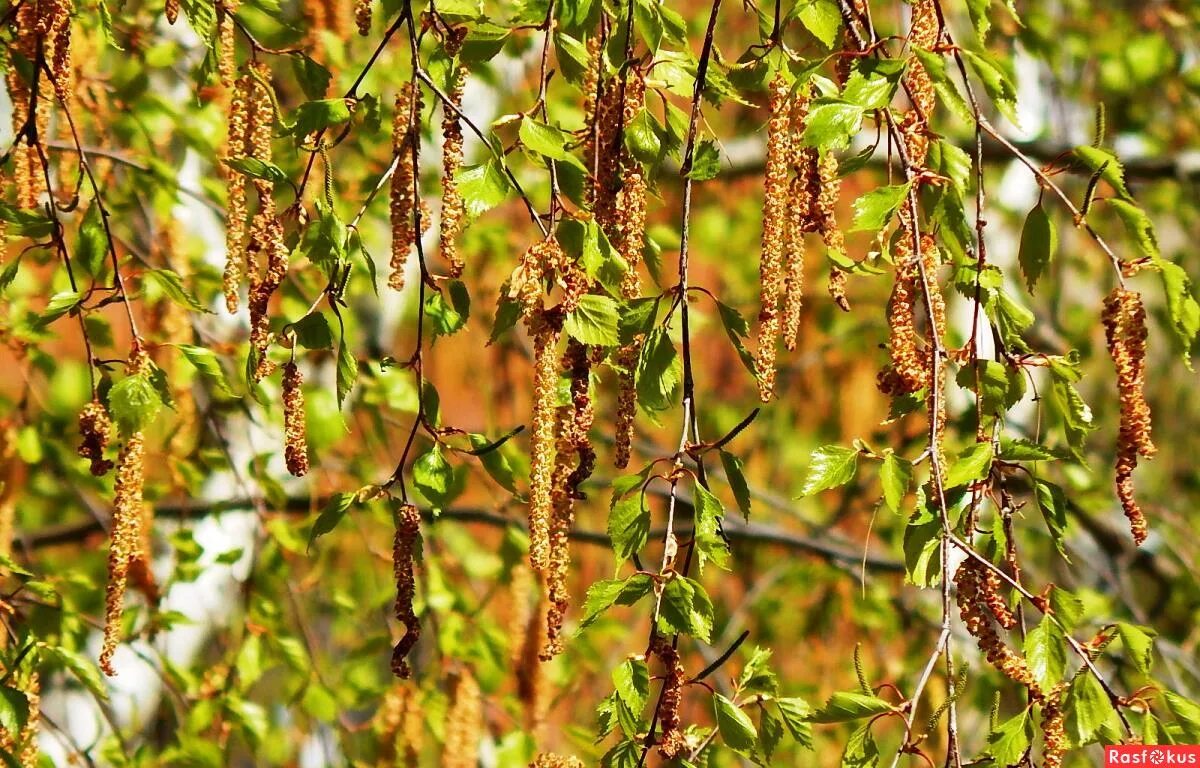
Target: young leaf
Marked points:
604	594
1139	644
845	706
332	514
829	467
972	465
628	526
594	321
206	362
737	731
1087	707
134	402
318	115
874	210
895	475
1039	242
686	608
1008	743
482	187
433	477
1046	652
632	682
737	482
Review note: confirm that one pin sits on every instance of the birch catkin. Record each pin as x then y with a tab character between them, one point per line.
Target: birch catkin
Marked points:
453	211
541	441
95	427
295	447
404	547
403	199
1124	319
770	269
464	723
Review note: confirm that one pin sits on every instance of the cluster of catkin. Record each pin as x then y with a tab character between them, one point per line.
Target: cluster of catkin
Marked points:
981	607
800	192
618	199
405	205
127	529
1124	319
404	548
42	34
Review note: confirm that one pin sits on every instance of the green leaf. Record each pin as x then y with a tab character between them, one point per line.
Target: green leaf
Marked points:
171	284
845	706
106	25
59	305
1095	158
972	465
642	137
1067	608
709	543
546	140
1087	707
706	162
257	169
1186	713
1053	504
922	538
1039	242
92	247
312	76
737	731
947	91
206	362
448	317
770	731
594	321
737	482
996	81
638	318
861	750
659	372
829	467
1182	308
318	115
14	710
796	713
736	329
134	402
433	476
687	609
1008	742
9	273
313	332
1138	225
1139	645
874	210
895	475
872	82
831	123
83	670
482	187
331	514
606	593
1046	652
1020	449
632	683
823	19
628	525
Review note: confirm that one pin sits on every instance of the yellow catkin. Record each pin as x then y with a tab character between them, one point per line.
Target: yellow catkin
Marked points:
605	155
552	760
770	269
671	743
1124	318
295	440
800	217
226	43
404	547
400	724
541	442
266	238
125	528
592	86
235	206
543	260
453	211
573	463
362	16
95	429
9	467
631	243
533	689
27	175
171	11
972	605
464	723
403	199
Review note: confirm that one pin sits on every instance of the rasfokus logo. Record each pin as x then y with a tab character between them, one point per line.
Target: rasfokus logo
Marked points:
1152	755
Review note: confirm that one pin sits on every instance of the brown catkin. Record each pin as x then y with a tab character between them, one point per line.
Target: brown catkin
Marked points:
226	43
1055	744
1124	318
125	529
775	201
362	16
403	190
60	12
95	427
973	607
404	547
295	440
266	237
27	175
671	742
574	461
907	371
464	723
453	211
541	442
235	206
171	10
632	241
533	689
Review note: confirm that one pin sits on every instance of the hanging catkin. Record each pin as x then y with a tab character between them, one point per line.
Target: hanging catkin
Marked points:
671	743
235	204
127	518
27	174
295	440
404	547
800	217
403	190
1055	744
464	723
266	237
1124	319
770	268
545	333
972	605
451	221
362	16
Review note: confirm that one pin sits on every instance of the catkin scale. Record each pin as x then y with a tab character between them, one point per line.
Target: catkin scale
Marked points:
295	446
1124	319
404	546
770	270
